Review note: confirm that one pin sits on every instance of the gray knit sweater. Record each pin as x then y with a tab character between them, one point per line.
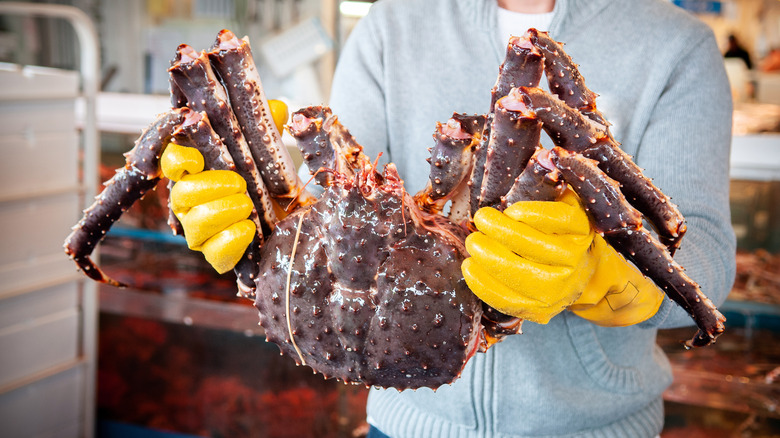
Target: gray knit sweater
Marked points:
662	85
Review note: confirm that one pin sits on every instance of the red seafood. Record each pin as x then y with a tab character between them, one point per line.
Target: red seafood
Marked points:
364	283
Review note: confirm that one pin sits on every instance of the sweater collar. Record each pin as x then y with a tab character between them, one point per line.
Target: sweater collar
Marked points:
574	17
570	17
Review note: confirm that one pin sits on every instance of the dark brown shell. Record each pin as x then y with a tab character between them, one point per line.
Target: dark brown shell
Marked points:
375	291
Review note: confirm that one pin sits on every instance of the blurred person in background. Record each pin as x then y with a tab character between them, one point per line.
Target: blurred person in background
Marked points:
735	50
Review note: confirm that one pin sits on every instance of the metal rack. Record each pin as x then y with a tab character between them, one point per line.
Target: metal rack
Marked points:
48	312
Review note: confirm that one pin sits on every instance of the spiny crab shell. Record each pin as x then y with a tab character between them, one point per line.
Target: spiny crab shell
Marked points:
374	294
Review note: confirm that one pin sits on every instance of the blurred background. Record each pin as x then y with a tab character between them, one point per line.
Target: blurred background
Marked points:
177	353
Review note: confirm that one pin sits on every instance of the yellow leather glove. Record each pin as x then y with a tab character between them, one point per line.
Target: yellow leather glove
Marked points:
211	205
279	113
538	258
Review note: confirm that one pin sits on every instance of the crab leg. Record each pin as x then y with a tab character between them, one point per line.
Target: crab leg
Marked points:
522	66
173	222
191	72
477	169
140	174
178	100
326	145
497	326
514	137
451	159
621	226
232	58
196	131
539	181
569	129
564	77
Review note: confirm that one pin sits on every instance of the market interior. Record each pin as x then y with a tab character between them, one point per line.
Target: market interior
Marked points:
177	354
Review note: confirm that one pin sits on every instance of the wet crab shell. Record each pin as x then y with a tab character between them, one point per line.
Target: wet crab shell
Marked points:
374	294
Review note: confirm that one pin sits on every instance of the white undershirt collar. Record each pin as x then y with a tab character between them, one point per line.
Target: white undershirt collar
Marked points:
516	23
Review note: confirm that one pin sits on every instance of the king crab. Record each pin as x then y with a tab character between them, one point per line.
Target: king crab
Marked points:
364	283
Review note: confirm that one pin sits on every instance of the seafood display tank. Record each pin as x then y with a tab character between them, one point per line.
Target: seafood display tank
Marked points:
183	355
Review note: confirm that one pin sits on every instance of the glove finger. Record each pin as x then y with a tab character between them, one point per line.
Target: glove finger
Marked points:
503	298
225	249
552	217
203	187
530	243
279	113
535	280
206	220
177	161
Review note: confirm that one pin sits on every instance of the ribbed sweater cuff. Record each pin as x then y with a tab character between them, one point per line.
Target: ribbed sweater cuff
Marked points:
396	419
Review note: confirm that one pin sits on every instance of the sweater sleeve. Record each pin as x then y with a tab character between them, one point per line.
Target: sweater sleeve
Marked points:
357	92
686	148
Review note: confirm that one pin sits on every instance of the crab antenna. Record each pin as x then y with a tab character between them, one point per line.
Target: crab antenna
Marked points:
376	162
